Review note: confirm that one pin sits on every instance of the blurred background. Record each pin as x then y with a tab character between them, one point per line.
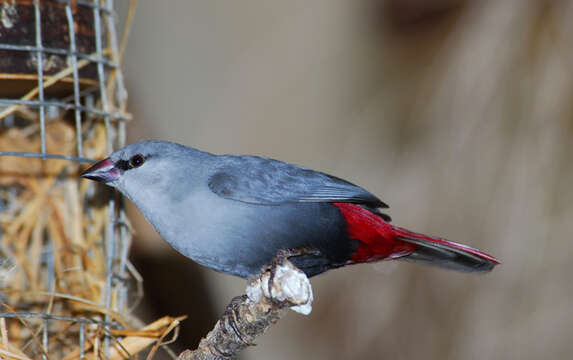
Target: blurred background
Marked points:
457	113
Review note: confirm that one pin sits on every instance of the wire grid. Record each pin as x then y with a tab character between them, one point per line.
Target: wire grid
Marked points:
95	104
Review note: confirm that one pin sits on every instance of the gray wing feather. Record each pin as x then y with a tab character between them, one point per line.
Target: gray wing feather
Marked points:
260	180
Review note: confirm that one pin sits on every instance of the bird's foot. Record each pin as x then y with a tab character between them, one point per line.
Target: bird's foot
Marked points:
282	282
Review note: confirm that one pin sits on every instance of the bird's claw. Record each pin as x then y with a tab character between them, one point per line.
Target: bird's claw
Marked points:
282	282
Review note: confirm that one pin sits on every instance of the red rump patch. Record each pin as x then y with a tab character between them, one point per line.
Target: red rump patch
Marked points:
377	238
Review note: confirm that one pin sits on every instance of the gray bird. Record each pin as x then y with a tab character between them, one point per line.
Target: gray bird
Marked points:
234	213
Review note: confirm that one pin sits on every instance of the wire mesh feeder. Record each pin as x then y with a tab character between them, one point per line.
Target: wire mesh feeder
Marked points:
64	272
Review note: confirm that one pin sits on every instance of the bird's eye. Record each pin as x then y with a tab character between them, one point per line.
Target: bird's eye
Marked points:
136	160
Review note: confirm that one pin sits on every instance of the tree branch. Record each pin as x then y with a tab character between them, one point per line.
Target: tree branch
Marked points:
270	294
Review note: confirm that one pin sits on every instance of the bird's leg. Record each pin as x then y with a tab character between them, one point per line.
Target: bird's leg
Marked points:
286	254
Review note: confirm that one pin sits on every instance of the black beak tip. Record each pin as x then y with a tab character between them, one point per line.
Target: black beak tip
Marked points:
87	175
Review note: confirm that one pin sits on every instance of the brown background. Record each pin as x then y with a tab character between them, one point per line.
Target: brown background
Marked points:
456	113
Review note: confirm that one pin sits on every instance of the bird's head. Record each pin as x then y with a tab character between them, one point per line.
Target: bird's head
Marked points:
143	166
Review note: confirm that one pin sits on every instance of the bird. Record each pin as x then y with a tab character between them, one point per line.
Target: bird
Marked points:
235	213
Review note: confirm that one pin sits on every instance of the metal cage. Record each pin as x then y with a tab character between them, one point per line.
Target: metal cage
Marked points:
64	271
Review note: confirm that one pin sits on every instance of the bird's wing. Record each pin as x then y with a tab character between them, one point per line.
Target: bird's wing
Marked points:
260	180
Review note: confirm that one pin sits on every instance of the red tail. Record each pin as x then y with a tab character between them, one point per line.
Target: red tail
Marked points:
379	240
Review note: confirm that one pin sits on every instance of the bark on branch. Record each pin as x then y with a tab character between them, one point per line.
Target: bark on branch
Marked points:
269	296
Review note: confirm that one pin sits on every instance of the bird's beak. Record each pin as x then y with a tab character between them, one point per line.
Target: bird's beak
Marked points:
103	171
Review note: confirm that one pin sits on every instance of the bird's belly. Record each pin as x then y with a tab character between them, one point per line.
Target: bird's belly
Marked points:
239	238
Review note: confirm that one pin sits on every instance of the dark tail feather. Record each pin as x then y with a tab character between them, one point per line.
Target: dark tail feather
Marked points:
444	253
